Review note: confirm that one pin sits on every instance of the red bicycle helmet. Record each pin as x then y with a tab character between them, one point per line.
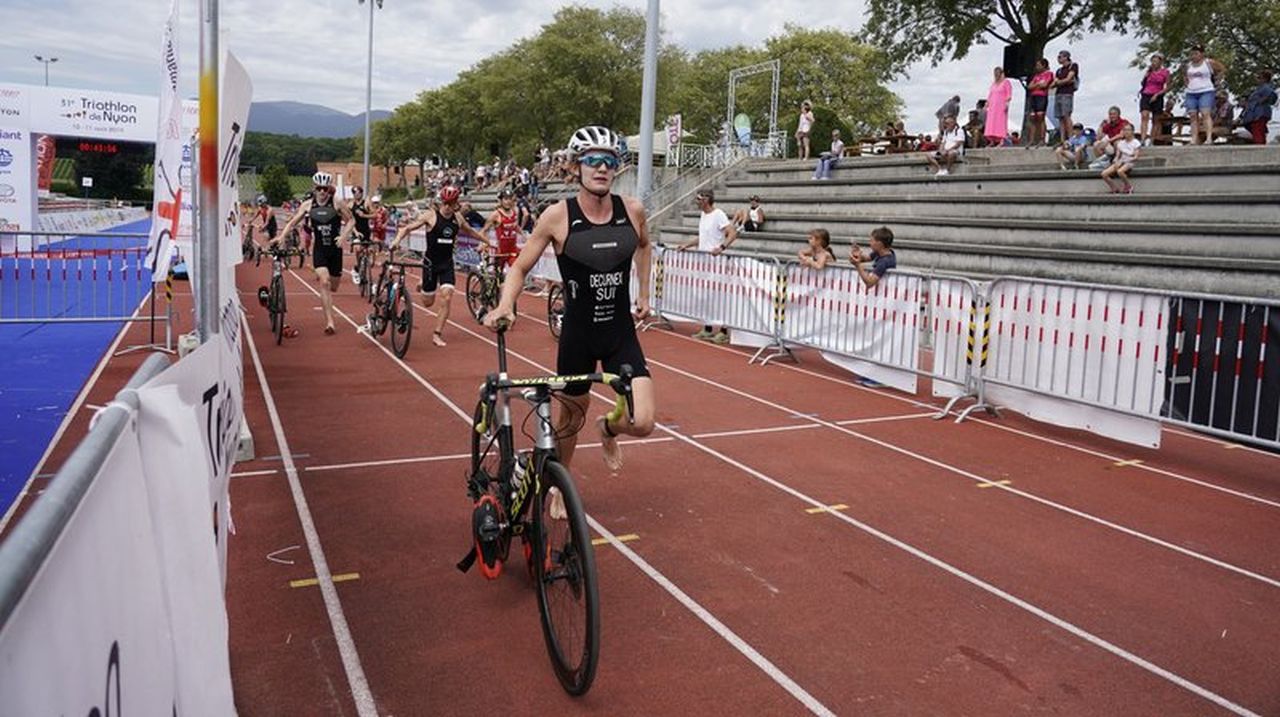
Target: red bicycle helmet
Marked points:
449	195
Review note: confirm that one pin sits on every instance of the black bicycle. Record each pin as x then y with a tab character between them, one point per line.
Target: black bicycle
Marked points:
484	283
530	495
366	250
275	298
555	309
392	305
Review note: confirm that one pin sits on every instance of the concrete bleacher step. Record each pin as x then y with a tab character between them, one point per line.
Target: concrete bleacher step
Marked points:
1241	207
1228	241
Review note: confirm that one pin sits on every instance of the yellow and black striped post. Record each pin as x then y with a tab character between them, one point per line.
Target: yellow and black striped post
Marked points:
986	333
168	287
658	274
780	300
973	331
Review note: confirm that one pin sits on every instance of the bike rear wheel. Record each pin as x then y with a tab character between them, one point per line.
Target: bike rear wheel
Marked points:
555	309
362	274
475	293
401	321
275	302
565	573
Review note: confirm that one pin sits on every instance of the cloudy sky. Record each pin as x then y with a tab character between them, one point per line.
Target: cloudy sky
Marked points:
314	50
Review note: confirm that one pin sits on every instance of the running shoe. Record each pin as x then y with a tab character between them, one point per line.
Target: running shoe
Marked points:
703	334
721	338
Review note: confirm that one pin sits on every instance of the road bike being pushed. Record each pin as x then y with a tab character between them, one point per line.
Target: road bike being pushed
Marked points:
484	283
531	496
392	305
272	296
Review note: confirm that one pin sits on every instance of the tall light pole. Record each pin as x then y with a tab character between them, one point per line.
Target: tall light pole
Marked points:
47	62
648	92
368	96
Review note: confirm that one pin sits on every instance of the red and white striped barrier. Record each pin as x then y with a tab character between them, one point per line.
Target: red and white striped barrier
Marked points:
1084	356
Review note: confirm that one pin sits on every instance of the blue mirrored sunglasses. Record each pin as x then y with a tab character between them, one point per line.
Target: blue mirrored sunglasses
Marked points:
600	160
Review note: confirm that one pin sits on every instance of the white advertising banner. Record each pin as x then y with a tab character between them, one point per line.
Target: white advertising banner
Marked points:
167	192
95	615
93	114
722	290
17	179
236	95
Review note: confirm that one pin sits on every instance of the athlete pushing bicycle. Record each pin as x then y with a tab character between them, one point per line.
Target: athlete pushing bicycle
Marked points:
595	236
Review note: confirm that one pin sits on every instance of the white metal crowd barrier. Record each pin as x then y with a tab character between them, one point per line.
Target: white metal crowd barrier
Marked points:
730	290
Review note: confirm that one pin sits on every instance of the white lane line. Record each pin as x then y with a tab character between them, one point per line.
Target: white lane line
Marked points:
885	419
1221	441
1034	436
936	562
774	673
1142	466
66	420
984	480
247	474
360	693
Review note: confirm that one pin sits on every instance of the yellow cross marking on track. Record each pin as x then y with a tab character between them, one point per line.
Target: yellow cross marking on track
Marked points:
992	483
826	509
308	582
1122	464
621	539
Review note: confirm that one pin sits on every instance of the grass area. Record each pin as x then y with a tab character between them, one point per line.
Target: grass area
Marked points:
64	168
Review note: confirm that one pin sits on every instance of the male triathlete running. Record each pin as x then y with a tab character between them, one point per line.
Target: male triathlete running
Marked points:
362	213
442	230
505	223
595	236
329	223
264	220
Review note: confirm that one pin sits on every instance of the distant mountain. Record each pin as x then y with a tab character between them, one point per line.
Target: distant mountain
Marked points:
307	120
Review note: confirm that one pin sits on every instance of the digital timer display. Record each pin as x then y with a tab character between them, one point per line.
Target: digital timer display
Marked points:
99	147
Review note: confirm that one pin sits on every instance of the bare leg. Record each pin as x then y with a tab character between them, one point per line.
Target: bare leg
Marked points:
565	420
1146	124
1195	127
643	403
328	284
1207	120
442	315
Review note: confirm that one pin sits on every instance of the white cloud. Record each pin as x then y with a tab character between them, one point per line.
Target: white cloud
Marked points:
314	50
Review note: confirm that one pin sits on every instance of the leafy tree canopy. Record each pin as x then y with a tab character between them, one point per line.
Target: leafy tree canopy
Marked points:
1244	35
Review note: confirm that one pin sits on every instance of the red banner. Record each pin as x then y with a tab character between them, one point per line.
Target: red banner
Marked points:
44	163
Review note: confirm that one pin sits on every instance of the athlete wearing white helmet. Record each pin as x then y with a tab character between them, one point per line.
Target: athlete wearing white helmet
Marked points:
595	235
329	222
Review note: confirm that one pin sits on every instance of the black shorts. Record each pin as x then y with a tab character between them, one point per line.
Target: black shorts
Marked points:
1151	103
750	226
327	257
1039	103
437	275
576	356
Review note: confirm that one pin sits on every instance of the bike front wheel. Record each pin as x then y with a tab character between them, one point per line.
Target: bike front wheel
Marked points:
275	303
555	309
401	321
475	293
565	573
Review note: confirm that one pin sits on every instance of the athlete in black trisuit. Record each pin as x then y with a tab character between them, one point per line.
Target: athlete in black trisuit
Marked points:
329	224
362	213
442	230
595	236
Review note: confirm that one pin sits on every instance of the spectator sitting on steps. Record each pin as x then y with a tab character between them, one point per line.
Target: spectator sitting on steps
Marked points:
1075	151
750	219
818	254
828	160
1108	132
1257	109
951	147
1126	148
880	255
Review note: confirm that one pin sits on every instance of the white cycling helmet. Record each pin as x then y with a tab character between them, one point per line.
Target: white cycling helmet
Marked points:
322	179
593	137
376	199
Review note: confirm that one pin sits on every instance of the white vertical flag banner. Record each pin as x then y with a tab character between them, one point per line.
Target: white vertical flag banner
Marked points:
235	96
167	200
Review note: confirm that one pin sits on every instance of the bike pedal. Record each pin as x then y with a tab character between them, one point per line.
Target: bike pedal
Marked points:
486	527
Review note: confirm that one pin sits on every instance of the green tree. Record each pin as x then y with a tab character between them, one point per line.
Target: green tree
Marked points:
928	29
274	183
833	69
1244	35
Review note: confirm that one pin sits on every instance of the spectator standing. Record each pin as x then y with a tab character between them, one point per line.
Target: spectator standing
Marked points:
818	254
1039	99
750	219
828	160
715	234
803	128
950	108
998	97
1257	109
950	148
880	256
1127	148
1200	73
1065	83
1151	98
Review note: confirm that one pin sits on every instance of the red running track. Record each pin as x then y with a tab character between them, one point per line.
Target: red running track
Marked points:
994	567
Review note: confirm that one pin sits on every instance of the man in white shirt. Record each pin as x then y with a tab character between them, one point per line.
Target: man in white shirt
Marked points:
950	146
715	234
